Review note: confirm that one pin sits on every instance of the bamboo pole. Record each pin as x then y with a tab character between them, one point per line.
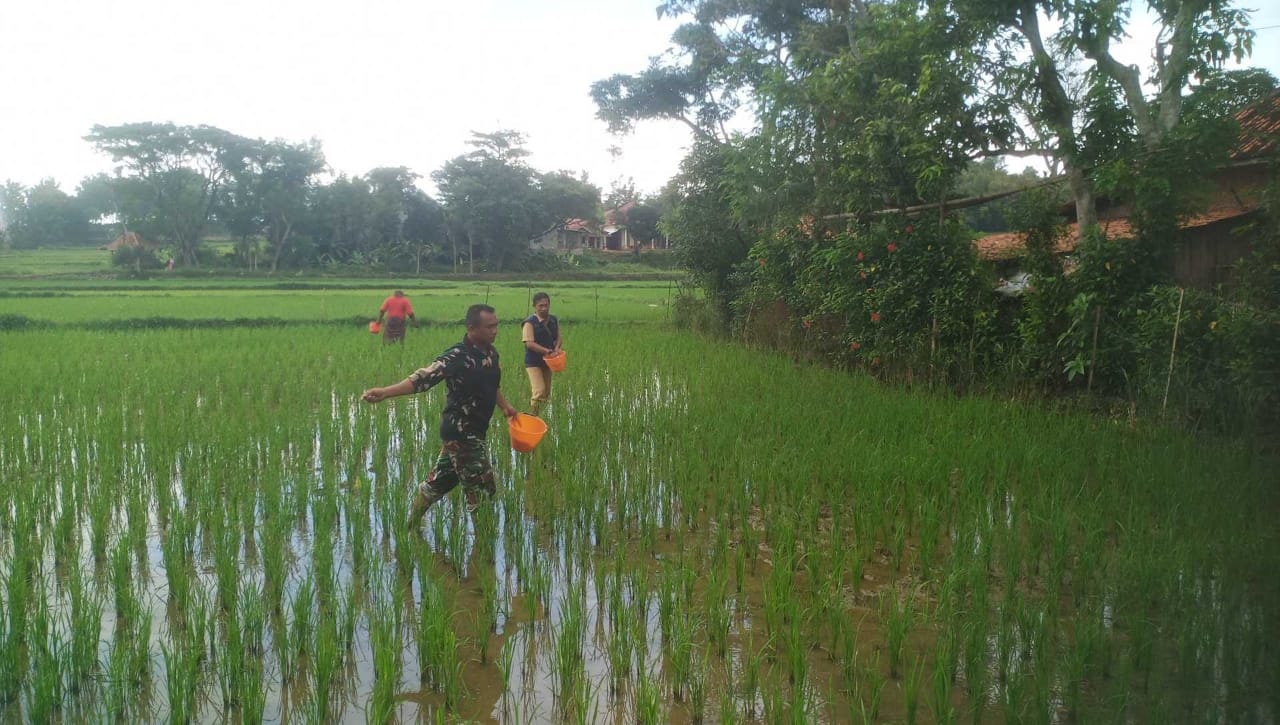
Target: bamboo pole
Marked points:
1177	322
1093	353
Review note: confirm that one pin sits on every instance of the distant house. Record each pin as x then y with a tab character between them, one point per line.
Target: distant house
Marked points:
1215	239
620	237
573	236
129	239
579	234
615	228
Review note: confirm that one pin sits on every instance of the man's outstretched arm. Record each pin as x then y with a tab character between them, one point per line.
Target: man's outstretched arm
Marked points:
374	395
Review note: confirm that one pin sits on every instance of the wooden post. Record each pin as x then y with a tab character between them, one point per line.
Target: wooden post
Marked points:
1177	322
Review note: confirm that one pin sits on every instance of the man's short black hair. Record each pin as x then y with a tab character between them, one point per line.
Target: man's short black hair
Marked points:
473	313
541	296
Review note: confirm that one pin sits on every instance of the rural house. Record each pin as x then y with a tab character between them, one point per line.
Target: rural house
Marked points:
1214	239
573	236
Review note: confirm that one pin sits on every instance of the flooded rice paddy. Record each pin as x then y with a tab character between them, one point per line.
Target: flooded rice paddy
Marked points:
205	525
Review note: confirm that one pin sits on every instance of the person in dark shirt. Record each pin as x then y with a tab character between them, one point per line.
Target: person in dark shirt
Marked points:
472	374
541	335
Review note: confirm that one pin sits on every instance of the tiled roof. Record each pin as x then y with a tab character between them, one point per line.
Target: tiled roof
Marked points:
580	225
1010	245
1259	128
619	215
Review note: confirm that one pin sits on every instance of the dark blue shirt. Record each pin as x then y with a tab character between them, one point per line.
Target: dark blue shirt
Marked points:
545	334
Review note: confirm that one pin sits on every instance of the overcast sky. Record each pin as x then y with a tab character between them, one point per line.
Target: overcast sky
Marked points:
379	83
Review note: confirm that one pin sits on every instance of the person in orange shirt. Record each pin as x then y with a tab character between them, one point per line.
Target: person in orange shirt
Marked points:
395	309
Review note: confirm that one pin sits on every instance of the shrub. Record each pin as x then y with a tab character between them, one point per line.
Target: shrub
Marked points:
893	295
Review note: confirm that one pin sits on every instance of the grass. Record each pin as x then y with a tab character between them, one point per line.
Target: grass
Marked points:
707	532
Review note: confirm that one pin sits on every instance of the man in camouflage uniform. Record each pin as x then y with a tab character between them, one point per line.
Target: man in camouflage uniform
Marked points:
471	372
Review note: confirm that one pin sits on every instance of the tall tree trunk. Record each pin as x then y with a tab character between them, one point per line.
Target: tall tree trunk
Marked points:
1086	202
279	247
1058	111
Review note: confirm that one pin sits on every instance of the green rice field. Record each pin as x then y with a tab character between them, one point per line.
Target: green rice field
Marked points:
204	524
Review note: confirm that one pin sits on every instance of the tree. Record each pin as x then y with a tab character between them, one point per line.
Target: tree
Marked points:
340	219
183	169
424	226
564	196
44	215
986	177
497	203
1193	39
620	192
642	222
708	239
286	173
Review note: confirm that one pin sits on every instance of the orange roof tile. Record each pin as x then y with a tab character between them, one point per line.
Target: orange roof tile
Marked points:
1011	245
1259	128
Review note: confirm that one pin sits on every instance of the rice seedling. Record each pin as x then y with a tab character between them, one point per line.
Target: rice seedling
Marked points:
385	638
252	694
506	665
911	687
748	683
797	650
648	699
126	600
139	644
84	622
680	655
873	688
718	616
940	693
231	661
567	657
181	668
487	614
697	689
897	617
45	690
300	631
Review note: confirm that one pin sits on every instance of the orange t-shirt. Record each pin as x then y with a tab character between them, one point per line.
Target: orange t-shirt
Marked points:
397	306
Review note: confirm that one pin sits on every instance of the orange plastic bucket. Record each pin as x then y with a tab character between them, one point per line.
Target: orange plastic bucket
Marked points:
526	430
555	361
374	327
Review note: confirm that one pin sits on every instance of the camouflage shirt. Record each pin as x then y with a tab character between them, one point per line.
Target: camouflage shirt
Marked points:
472	376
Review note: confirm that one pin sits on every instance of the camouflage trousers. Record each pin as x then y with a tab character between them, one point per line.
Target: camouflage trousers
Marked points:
463	461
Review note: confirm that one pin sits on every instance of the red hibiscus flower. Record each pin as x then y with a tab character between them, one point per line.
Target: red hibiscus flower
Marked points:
860	256
855	345
893	247
875	316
